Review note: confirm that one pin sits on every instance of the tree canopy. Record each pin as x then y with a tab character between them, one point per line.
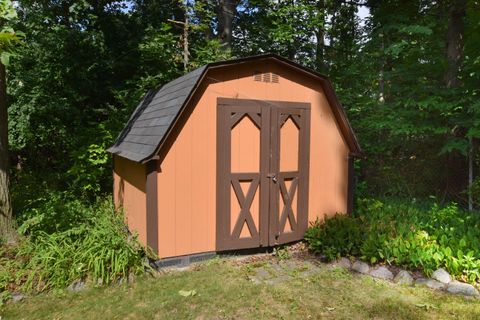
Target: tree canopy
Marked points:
406	72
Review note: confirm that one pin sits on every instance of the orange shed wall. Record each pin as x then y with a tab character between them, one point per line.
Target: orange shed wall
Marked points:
129	193
187	175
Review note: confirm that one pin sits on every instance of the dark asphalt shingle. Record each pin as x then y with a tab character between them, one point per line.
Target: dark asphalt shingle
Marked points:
152	118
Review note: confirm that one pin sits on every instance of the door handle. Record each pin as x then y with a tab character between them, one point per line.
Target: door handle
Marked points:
273	177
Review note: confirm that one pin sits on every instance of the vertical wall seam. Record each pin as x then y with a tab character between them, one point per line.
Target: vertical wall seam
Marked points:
152	204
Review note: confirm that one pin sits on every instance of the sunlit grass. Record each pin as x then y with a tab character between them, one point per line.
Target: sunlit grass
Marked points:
223	291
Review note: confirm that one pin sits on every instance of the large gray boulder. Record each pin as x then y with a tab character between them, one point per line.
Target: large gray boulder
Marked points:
76	286
442	275
431	283
361	267
382	273
343	263
403	277
456	287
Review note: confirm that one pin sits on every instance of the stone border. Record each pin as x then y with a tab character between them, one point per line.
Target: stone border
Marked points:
440	280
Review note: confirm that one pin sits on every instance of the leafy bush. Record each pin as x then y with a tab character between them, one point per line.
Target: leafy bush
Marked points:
339	235
56	213
405	234
70	240
91	170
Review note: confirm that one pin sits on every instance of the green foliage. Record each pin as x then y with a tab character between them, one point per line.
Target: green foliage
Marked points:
161	57
74	83
91	165
55	212
475	191
282	253
411	235
8	267
69	240
337	236
9	39
208	52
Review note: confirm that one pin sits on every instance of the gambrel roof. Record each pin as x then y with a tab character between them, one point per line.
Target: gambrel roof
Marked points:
156	115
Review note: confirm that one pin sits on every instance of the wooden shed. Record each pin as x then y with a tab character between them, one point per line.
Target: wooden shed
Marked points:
235	154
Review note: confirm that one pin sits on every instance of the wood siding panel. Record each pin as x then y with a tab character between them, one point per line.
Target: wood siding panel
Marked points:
187	177
289	135
245	144
184	188
200	178
187	186
129	182
166	205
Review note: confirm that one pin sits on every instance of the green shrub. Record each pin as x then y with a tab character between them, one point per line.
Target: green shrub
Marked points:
56	212
337	236
69	240
411	235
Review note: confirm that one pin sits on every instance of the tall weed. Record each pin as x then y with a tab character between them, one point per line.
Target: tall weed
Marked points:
69	240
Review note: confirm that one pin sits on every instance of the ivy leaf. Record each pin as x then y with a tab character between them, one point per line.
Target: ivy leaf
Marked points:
5	58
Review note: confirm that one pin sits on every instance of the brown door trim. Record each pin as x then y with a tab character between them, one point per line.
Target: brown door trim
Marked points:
152	204
244	102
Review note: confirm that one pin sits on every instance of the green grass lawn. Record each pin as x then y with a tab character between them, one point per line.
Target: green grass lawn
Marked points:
223	291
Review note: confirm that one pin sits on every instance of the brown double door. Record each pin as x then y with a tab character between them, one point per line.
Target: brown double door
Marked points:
262	172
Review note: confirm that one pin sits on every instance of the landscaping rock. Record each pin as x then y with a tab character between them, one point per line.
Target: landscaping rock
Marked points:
382	273
76	286
262	274
289	264
17	297
403	277
323	258
465	289
309	272
277	280
361	267
342	263
276	267
442	276
431	283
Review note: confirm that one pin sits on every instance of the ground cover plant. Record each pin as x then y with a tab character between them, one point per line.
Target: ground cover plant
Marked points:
410	235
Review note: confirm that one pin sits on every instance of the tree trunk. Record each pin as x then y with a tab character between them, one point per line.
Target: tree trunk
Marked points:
381	76
454	57
454	43
320	35
186	53
471	155
7	229
225	13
